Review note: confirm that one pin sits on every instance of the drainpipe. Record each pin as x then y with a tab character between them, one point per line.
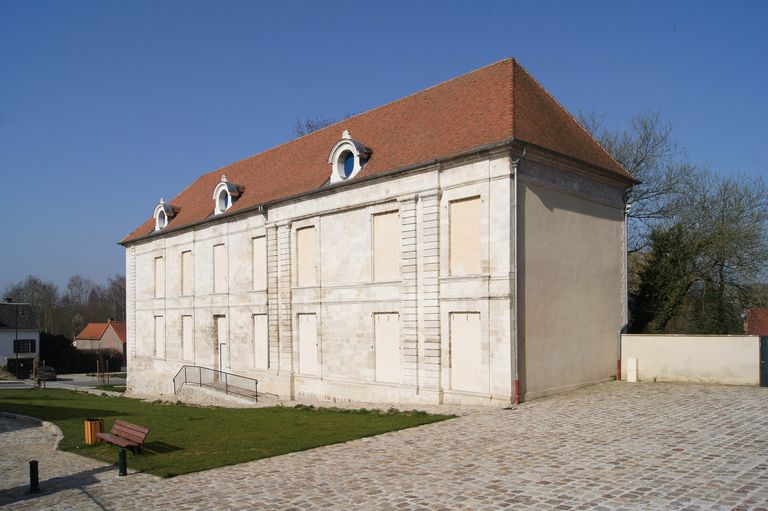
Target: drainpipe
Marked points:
516	320
625	312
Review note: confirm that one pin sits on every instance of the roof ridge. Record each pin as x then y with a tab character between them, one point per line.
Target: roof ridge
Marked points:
497	102
562	107
365	112
512	98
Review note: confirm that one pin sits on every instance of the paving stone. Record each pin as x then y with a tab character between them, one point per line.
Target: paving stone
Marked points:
611	446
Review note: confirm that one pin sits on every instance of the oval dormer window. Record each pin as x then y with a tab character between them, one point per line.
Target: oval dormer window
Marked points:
162	220
349	163
347	158
223	200
224	195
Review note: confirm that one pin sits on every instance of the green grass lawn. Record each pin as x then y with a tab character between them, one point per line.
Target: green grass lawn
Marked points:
113	388
184	439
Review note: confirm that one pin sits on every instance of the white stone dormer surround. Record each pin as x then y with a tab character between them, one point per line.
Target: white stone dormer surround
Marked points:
347	158
224	194
163	214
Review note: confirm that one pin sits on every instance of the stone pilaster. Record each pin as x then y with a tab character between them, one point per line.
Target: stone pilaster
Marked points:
408	292
130	300
273	298
429	290
284	283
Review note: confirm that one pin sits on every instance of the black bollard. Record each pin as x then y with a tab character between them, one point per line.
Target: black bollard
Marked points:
122	468
34	483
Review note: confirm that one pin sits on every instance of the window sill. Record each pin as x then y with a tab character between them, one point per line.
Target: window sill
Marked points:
473	276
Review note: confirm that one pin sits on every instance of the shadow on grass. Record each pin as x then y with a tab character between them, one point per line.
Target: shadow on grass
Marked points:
159	448
54	485
54	413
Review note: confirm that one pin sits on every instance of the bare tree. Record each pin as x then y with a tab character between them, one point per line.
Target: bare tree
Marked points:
44	298
115	296
728	216
307	125
647	150
82	302
707	262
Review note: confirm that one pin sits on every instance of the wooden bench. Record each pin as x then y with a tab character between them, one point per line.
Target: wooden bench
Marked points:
127	435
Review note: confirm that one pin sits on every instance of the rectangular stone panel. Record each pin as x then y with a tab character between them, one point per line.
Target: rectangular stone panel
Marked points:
259	251
188	338
260	341
386	246
306	257
465	236
159	277
387	345
469	364
187	273
220	267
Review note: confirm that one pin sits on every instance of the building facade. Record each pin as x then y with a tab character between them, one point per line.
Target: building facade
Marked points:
462	245
102	336
19	338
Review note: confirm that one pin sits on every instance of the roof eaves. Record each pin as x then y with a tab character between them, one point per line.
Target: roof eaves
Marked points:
326	188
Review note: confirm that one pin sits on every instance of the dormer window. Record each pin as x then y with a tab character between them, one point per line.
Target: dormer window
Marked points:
224	195
163	214
347	158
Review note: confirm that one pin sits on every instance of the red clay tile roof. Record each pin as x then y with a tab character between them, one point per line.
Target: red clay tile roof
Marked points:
497	103
92	331
119	330
95	331
756	322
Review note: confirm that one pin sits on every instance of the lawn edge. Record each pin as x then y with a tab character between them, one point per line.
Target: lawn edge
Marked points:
50	426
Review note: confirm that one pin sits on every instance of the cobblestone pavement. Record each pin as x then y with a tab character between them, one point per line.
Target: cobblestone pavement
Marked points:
611	446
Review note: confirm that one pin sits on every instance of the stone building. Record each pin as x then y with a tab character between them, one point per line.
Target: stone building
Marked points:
378	259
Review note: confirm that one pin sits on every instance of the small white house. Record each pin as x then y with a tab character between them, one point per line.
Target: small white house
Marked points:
19	336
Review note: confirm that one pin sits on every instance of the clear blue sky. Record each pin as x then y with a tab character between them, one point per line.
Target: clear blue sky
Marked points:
106	106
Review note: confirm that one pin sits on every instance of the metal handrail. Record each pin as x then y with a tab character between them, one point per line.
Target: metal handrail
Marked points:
230	383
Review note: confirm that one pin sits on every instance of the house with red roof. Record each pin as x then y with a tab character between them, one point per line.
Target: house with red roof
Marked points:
102	336
464	244
756	321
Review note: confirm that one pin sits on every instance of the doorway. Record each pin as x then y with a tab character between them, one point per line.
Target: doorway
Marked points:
221	361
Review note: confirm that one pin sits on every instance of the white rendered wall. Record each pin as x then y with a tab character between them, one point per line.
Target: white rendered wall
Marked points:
6	344
729	359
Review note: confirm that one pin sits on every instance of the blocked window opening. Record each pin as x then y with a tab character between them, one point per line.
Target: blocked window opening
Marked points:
260	341
306	257
159	277
386	246
470	364
387	344
220	276
259	249
465	228
159	350
187	273
309	350
188	338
